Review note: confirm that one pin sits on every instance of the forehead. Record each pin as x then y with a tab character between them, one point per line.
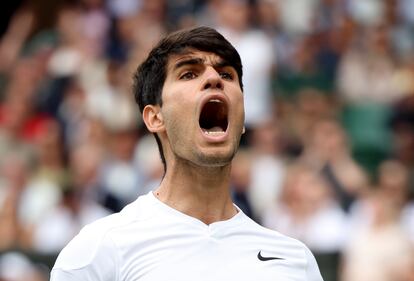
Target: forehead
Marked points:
175	60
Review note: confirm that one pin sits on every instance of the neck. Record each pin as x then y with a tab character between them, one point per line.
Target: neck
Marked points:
200	192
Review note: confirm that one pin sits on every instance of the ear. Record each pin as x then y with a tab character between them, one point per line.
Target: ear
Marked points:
153	119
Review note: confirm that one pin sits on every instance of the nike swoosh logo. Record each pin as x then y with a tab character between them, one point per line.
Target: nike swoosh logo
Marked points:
262	258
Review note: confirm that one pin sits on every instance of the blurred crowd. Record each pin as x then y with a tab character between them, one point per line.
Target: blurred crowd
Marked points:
328	154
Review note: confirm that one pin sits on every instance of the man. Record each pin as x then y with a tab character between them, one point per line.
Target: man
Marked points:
189	91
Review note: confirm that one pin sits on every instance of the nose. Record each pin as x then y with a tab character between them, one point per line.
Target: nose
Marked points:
213	79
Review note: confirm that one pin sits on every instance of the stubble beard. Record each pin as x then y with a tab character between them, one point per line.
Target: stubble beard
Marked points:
187	152
214	160
211	158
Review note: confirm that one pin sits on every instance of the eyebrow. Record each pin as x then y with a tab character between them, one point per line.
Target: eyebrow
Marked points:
189	61
195	61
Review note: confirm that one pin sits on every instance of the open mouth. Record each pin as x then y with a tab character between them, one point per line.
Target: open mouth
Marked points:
213	117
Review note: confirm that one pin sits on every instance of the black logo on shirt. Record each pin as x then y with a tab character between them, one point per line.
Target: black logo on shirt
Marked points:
262	258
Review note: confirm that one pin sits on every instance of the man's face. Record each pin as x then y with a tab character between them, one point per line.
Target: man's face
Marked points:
202	109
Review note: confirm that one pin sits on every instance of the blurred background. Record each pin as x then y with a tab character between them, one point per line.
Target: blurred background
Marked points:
328	157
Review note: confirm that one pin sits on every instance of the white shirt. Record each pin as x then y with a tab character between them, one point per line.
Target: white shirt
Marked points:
150	241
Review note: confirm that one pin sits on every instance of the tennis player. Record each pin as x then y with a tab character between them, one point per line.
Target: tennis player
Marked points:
190	93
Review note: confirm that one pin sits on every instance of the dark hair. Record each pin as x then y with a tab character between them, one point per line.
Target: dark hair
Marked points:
151	74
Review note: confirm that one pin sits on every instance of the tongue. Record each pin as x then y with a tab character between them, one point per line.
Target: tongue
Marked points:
215	129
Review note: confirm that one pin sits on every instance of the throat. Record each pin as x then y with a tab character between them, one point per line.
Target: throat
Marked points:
201	194
207	209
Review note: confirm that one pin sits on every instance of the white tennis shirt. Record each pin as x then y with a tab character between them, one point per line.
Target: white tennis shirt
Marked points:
150	241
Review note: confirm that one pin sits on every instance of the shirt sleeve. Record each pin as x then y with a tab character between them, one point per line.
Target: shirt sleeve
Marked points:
90	256
312	269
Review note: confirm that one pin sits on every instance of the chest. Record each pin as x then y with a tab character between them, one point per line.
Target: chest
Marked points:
205	258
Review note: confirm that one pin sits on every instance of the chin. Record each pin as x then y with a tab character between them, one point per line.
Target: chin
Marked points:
215	159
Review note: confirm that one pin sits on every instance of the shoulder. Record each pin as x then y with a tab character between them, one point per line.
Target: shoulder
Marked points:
270	234
295	252
95	247
91	244
91	255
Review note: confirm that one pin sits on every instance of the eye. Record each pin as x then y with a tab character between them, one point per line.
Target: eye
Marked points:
188	75
226	75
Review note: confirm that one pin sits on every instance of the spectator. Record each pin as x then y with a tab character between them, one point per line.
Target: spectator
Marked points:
328	85
234	22
379	248
267	168
344	176
307	210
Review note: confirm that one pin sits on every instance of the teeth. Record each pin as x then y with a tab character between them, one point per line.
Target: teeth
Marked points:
215	131
215	100
210	133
